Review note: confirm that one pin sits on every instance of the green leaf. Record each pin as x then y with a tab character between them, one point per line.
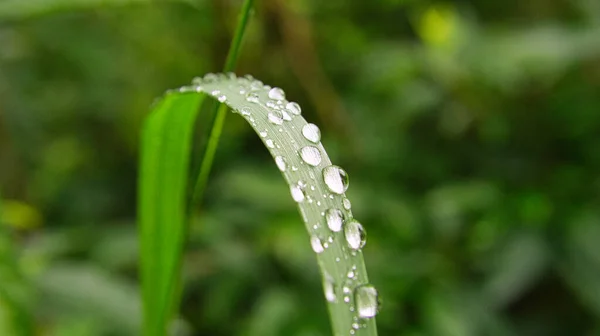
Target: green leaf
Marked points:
163	184
163	181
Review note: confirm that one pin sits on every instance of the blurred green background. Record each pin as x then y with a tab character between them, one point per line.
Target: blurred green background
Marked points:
470	131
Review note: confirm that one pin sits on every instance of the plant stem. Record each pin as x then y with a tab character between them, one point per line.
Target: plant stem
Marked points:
220	109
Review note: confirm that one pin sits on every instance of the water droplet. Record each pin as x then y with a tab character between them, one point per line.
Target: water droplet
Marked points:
252	97
286	116
272	104
311	155
302	184
294	108
312	133
210	78
245	111
276	93
274	118
334	219
281	163
215	93
222	98
256	85
297	193
329	287
355	234
366	301
336	179
346	203
270	143
351	274
294	168
316	244
262	134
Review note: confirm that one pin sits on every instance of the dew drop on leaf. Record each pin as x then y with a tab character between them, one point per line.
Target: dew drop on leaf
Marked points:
346	203
311	155
286	116
270	143
316	244
276	93
294	108
252	97
356	237
274	118
334	219
312	133
366	299
297	193
281	162
336	179
329	287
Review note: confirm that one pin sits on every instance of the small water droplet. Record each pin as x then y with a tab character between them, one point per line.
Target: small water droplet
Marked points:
312	133
276	93
294	168
329	287
270	143
297	193
336	179
311	155
245	111
222	98
355	234
272	104
286	116
281	163
334	219
346	299
351	274
316	244
256	85
294	108
366	301
346	203
252	97
215	93
210	78
263	134
274	118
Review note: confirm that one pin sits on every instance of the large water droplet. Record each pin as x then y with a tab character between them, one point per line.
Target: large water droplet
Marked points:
275	118
276	93
312	133
329	287
334	219
316	244
252	97
297	193
281	163
336	179
294	108
366	301
311	155
355	234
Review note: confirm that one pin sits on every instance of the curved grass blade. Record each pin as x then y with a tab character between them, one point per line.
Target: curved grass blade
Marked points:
315	184
165	155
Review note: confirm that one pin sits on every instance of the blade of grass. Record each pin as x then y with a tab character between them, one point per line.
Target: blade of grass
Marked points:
163	180
221	109
340	258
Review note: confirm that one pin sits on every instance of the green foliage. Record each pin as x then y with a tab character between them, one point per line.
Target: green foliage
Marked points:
162	190
165	157
470	132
